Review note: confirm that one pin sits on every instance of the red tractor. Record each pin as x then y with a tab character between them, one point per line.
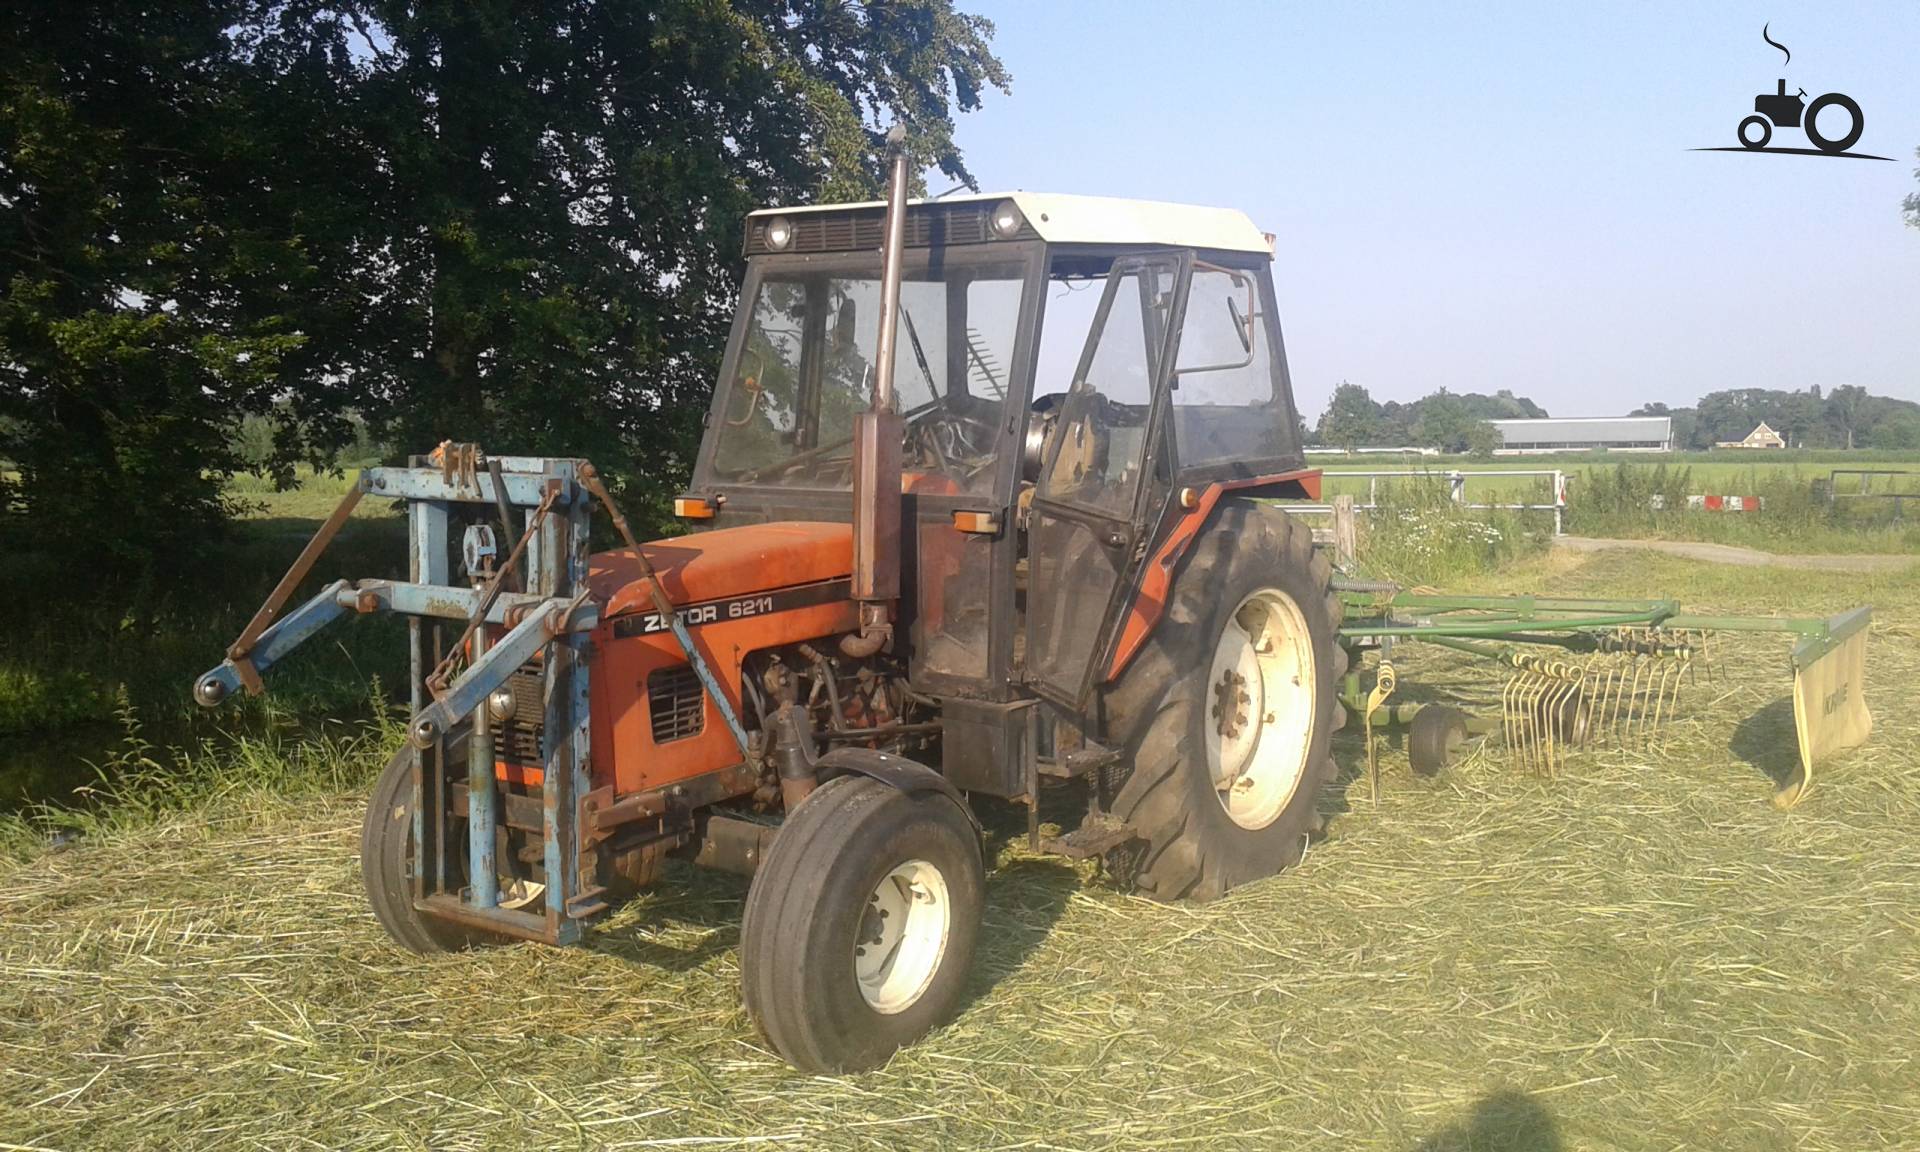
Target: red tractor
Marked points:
973	516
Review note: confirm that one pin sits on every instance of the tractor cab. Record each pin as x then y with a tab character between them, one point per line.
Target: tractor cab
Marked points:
1066	368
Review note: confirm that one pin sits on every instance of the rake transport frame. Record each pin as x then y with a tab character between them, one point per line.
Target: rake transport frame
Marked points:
1581	670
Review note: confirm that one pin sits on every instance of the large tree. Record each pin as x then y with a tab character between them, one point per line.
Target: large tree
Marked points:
1352	419
130	327
510	221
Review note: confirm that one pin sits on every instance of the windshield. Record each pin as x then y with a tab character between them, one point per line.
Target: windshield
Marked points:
806	367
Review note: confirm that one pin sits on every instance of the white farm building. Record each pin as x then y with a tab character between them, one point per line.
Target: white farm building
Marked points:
1585	433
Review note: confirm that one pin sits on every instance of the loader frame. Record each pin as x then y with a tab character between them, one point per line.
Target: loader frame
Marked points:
542	503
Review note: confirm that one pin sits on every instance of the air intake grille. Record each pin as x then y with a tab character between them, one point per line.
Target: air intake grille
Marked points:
676	703
518	739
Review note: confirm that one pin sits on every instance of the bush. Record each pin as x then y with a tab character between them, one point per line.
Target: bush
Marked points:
1418	535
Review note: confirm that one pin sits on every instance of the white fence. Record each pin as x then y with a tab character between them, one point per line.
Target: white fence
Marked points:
1457	483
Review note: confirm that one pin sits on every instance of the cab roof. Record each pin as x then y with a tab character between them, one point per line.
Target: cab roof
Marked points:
1061	218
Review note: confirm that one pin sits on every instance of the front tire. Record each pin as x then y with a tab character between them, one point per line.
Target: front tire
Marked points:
386	866
1762	126
1230	708
860	925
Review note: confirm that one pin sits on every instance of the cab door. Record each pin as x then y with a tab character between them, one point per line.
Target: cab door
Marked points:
1085	531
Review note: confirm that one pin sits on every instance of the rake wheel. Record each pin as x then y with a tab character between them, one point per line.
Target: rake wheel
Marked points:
1437	732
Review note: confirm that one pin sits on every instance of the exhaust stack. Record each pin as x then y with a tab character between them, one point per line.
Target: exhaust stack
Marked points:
877	436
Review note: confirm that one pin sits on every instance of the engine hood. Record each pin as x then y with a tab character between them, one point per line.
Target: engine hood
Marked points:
724	563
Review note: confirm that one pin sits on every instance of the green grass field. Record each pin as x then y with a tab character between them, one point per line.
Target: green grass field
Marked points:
1640	954
77	675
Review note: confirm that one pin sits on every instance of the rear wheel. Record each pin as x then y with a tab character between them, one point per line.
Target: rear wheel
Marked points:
1856	124
860	924
1229	710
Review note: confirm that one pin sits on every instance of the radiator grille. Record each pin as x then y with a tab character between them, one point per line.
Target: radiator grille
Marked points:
518	739
676	703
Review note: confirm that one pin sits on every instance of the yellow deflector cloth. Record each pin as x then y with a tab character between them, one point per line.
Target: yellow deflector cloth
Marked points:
1829	697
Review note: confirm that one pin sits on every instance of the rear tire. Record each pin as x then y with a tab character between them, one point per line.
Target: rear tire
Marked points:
1810	123
386	866
860	925
1168	710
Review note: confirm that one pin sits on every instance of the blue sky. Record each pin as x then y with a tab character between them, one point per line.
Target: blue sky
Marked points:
1502	197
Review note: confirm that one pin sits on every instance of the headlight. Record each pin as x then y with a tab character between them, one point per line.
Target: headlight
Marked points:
779	233
1006	220
500	705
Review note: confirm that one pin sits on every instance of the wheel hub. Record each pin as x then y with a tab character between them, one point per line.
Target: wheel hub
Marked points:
902	937
1230	702
1263	700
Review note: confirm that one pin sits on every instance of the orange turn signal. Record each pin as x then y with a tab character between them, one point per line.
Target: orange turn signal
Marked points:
984	523
692	508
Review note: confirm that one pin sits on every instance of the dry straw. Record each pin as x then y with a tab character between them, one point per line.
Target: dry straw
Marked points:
1640	954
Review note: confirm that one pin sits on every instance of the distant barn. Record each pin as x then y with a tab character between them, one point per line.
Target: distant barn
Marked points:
1585	434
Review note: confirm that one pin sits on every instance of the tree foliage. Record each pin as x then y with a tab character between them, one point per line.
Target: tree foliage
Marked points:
1847	416
1910	207
131	253
1447	420
510	221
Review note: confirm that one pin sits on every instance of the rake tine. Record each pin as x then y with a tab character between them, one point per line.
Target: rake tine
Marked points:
1583	711
1640	665
1669	671
1652	725
1523	717
1549	716
1567	709
1543	719
1508	698
1534	687
1609	696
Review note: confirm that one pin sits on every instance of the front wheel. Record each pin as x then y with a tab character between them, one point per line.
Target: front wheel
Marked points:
1761	132
860	924
386	866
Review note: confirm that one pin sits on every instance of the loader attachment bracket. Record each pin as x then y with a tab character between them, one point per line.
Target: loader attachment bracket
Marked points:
532	611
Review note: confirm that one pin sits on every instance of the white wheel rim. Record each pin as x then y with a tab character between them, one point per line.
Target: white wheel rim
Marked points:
1262	689
902	936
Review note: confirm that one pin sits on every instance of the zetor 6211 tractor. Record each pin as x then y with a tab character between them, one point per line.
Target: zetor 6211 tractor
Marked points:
971	517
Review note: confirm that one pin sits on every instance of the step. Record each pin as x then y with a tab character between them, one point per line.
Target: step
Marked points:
1096	837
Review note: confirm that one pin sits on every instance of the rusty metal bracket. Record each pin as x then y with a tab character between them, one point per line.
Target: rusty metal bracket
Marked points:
243	645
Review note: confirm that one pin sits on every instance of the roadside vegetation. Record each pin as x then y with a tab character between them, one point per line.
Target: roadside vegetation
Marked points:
1646	497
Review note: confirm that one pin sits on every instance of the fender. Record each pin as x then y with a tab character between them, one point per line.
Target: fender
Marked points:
1194	505
894	771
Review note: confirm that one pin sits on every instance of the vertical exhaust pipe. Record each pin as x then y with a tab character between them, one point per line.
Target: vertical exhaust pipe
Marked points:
878	433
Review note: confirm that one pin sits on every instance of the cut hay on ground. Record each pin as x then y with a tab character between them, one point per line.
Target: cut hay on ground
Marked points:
1641	954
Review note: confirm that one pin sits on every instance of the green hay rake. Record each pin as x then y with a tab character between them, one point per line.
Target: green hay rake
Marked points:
1582	672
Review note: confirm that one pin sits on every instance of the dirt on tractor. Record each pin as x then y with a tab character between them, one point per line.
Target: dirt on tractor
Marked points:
1640	953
